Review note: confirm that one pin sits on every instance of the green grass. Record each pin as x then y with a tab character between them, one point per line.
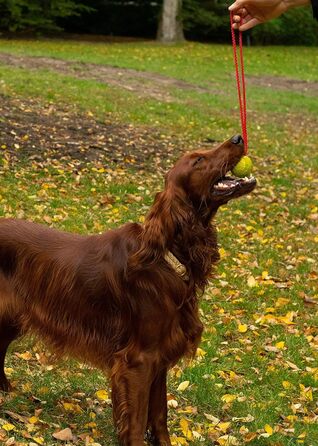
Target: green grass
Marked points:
269	242
199	63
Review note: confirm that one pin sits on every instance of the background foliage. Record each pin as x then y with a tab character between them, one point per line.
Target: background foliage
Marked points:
209	20
39	15
204	20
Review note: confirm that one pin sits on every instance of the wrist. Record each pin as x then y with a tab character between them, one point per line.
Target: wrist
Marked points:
294	3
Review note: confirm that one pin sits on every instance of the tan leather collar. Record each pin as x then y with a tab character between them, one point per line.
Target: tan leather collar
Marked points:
178	267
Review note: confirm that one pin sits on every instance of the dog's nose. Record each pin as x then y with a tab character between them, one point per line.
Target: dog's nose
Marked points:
237	139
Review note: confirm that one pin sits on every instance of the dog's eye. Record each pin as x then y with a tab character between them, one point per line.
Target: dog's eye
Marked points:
198	160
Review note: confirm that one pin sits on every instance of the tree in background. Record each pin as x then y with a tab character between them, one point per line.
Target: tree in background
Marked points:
125	18
18	15
170	28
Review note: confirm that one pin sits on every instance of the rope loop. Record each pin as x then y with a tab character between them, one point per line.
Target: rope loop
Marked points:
240	80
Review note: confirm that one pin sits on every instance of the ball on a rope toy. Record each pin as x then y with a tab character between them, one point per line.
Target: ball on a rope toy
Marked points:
243	168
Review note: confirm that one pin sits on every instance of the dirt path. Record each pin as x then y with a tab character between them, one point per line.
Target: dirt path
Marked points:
284	83
145	84
29	129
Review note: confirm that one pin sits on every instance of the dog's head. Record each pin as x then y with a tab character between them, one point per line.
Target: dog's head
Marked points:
202	175
195	188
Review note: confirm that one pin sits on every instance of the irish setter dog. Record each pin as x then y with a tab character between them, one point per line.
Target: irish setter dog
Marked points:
125	301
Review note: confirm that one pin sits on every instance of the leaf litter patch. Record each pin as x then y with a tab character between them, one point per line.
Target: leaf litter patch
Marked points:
31	130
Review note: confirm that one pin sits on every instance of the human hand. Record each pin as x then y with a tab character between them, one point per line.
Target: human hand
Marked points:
249	13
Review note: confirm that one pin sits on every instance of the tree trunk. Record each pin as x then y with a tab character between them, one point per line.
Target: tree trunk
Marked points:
170	27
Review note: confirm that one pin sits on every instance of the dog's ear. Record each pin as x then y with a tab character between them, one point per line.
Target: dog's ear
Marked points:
169	213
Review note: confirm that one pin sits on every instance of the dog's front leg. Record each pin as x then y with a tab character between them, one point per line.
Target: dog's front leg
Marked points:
131	378
157	413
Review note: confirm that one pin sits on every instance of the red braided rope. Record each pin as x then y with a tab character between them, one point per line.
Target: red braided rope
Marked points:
240	81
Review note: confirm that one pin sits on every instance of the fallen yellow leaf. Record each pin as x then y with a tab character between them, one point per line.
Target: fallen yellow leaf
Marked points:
33	420
8	427
251	282
38	440
242	328
224	426
228	440
184	424
268	429
26	356
102	395
228	398
70	407
183	386
200	353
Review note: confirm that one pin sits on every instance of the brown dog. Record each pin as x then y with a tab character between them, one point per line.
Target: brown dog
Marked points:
127	300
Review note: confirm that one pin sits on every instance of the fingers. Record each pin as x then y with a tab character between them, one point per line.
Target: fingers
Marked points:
246	24
249	24
241	13
238	18
243	21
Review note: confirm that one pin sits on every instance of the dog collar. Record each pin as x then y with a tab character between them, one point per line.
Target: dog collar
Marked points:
177	266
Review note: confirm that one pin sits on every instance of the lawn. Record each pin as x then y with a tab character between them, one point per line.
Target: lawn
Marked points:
84	148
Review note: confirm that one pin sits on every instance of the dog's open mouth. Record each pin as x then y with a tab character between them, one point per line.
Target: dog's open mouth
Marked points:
230	186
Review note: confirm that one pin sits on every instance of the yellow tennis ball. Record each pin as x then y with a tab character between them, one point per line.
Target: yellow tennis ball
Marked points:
243	168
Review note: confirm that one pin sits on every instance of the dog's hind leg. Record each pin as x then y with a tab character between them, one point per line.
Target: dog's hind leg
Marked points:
8	332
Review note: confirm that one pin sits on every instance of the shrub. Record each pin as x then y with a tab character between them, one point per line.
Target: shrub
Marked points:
37	15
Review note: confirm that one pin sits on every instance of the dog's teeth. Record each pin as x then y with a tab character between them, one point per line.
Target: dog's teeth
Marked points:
248	179
222	186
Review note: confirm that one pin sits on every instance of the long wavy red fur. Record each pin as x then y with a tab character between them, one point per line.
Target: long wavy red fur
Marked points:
113	299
